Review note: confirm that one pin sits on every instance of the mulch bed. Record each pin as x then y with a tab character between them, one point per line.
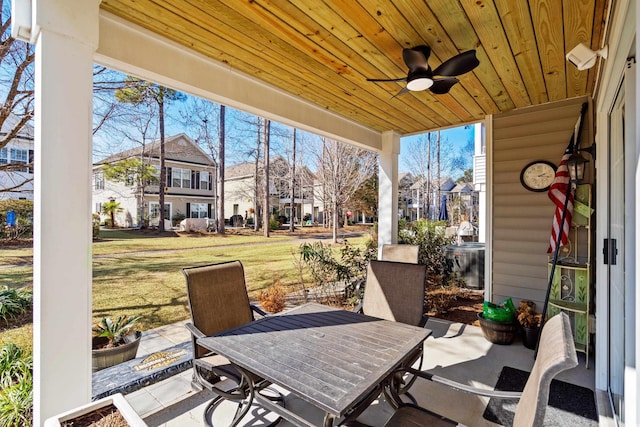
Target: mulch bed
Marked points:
109	416
454	303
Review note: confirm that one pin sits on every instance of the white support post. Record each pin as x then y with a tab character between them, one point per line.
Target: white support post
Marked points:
65	33
388	192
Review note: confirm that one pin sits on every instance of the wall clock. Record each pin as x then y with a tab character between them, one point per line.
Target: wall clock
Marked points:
538	175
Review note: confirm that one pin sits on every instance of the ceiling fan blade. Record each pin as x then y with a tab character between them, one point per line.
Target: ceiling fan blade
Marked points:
442	86
387	80
459	64
401	92
416	57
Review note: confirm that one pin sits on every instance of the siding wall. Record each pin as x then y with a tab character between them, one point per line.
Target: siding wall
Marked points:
522	219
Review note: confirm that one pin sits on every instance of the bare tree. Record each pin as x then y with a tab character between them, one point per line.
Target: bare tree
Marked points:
140	92
265	158
343	168
16	109
292	186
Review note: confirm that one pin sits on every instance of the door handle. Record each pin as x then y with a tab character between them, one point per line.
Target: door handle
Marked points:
610	251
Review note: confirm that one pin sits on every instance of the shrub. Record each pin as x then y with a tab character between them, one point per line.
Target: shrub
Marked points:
178	216
432	244
95	225
347	271
14	302
16	386
24	218
272	299
274	224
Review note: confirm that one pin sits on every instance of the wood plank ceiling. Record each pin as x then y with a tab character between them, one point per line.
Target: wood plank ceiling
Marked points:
324	50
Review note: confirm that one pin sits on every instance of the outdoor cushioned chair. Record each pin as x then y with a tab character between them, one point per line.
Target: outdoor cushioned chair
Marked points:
556	353
400	253
218	301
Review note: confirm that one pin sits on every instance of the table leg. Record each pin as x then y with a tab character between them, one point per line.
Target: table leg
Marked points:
328	420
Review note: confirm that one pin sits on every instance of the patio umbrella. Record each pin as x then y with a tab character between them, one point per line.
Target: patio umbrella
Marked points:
444	215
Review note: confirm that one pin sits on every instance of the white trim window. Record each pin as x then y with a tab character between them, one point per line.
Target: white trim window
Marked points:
199	210
180	178
154	212
204	180
4	156
98	179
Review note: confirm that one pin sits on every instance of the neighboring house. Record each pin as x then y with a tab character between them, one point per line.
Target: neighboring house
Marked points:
18	152
420	204
462	203
190	187
239	191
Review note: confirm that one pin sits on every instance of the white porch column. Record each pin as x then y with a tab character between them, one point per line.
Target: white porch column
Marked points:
65	33
388	192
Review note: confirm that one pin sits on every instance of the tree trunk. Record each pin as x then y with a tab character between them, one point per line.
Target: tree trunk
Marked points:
334	233
265	204
163	172
220	172
293	182
256	183
438	173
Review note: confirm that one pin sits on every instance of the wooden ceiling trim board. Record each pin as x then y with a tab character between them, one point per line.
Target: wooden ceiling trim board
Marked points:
459	29
362	46
516	21
407	36
485	20
321	77
273	68
264	70
292	37
548	25
325	40
578	28
436	37
373	31
596	40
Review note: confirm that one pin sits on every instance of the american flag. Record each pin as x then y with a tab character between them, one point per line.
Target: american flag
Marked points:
557	194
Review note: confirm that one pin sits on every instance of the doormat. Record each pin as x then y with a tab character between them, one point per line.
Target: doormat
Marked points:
569	404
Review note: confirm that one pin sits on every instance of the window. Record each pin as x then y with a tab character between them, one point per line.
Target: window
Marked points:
98	178
4	158
154	212
19	157
204	180
199	210
180	178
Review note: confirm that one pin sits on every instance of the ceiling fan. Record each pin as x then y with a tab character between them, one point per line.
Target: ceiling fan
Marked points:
438	81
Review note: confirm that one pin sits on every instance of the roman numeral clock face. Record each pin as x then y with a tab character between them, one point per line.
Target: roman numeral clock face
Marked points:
538	175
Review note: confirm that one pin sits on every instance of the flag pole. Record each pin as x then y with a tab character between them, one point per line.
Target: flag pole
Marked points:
576	144
553	268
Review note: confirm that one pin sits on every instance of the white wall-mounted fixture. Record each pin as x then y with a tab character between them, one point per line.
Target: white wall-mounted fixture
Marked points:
584	58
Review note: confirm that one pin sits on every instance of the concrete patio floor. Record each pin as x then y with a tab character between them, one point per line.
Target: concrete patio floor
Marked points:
454	351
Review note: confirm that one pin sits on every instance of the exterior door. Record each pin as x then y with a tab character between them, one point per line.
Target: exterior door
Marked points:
614	263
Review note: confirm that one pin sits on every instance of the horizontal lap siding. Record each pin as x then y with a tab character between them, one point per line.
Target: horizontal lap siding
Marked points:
521	218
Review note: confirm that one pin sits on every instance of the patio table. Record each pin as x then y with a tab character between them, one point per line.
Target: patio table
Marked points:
331	358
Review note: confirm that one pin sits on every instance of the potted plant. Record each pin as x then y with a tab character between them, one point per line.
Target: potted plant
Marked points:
530	322
114	342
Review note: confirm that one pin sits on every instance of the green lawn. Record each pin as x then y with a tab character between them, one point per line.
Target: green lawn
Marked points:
140	273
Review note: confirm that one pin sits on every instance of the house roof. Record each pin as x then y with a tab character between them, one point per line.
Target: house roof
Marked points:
177	147
323	52
462	187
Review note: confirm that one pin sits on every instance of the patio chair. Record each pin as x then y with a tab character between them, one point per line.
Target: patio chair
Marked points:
400	253
218	301
556	353
395	291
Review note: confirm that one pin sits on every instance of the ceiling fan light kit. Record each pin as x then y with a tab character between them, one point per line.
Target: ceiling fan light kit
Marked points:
419	83
439	81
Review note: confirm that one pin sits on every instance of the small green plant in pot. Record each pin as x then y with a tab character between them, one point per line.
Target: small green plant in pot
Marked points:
114	341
